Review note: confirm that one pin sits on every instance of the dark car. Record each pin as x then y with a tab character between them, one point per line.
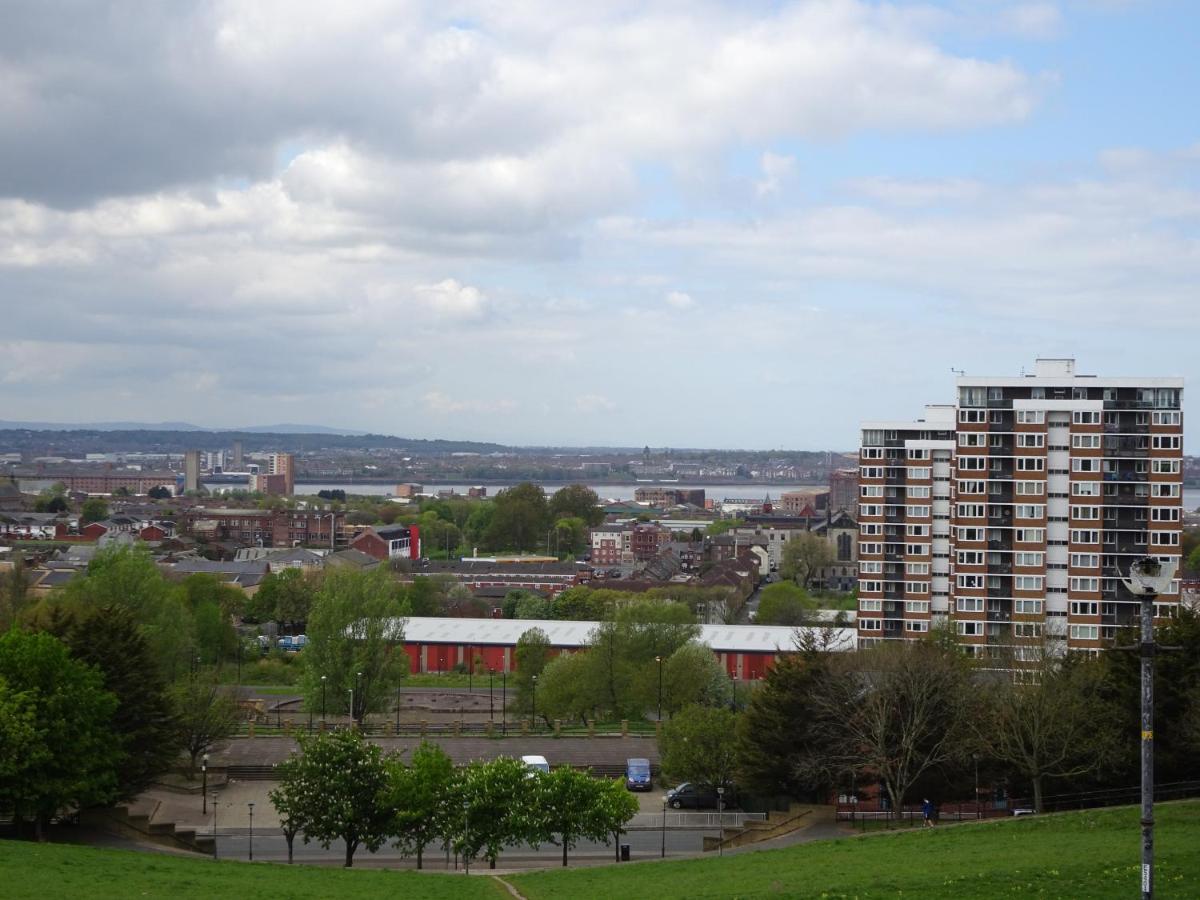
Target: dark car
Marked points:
695	796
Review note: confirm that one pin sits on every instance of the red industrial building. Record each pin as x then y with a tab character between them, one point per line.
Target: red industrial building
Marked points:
440	644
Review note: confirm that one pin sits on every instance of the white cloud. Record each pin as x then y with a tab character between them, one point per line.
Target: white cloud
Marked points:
679	300
441	404
775	170
453	300
594	403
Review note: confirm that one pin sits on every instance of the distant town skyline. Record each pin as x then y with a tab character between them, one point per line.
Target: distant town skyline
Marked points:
705	225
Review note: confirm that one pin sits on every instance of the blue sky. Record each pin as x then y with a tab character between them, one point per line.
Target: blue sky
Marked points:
681	224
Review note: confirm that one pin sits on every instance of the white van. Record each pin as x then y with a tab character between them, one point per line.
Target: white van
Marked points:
536	764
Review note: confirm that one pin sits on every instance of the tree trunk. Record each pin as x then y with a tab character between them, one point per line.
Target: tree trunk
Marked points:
1037	793
39	833
564	853
351	846
491	862
420	854
291	836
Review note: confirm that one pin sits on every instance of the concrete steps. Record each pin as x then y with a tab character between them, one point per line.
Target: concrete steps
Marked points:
778	823
135	821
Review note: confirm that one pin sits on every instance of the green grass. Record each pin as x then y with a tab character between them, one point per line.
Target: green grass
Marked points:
57	870
1074	855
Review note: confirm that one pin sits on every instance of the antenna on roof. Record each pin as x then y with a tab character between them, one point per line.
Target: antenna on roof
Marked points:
958	372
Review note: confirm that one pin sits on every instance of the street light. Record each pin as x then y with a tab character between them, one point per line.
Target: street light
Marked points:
397	709
466	828
214	800
351	723
251	805
204	785
358	684
664	828
658	659
504	699
533	695
491	697
721	819
1148	577
322	702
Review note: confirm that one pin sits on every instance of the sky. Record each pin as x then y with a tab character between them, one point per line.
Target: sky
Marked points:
687	224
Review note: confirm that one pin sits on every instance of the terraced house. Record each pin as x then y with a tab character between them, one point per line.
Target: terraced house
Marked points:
1012	515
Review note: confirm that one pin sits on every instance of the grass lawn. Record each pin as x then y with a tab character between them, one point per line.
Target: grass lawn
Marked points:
1073	855
57	870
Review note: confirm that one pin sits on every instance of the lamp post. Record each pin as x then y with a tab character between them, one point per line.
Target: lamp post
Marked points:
351	722
721	819
214	800
491	699
658	659
533	696
664	828
1148	577
470	671
975	758
361	699
251	845
322	702
204	785
732	693
466	829
504	699
397	709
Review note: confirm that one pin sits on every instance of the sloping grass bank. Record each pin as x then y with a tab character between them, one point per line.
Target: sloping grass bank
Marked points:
1072	855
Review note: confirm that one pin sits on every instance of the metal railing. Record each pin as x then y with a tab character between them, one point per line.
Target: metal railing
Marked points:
703	819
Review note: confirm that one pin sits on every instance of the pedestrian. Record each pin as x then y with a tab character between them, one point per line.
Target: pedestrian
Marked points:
927	813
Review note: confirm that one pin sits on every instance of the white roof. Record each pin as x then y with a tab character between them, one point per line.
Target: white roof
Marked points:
506	632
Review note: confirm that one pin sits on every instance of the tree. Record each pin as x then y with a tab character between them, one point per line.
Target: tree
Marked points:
342	778
900	710
159	493
783	737
699	745
567	806
291	798
419	798
576	501
493	808
720	526
570	536
287	595
108	638
204	715
518	519
784	603
532	606
566	688
614	807
691	675
355	626
803	557
14	592
94	509
1049	723
59	745
532	653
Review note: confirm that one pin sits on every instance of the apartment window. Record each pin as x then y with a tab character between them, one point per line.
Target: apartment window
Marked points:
871	567
970	534
916	606
916	549
1085	512
916	530
871	587
1165	442
1027	630
916	626
970	557
970	629
870	605
871	529
1029	535
869	624
917	512
917	492
1086	417
1085	441
1079	464
871	471
1029	510
872	453
1164	538
1030	417
1030	464
972	438
872	490
1084	583
918	453
1166	397
1164	514
1085	560
1084	536
1085	488
972	487
1028	582
870	549
972	416
1164	490
970	581
917	474
872	437
1026	558
1027	607
916	587
1165	466
916	568
1031	488
971	510
1085	632
1165	418
870	509
1031	440
972	463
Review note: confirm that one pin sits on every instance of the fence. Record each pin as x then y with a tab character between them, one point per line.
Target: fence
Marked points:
274	726
706	820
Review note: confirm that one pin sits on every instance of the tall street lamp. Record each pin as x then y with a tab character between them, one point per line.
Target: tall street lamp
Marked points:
664	828
721	819
251	805
204	785
466	830
491	697
361	699
322	702
397	709
214	800
533	695
351	716
658	659
504	699
1148	577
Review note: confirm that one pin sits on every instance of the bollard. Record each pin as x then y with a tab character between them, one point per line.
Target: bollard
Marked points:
524	726
624	728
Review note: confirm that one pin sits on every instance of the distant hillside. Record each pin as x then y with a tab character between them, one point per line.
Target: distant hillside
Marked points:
283	428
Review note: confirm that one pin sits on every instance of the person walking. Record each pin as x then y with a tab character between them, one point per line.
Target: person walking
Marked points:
927	813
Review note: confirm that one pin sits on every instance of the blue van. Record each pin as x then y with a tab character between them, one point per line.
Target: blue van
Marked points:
637	774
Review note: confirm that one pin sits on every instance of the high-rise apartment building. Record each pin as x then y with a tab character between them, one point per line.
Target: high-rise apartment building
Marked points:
283	464
1053	484
191	470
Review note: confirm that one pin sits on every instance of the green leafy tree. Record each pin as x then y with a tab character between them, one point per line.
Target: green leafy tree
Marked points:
342	779
804	556
570	536
94	509
576	501
63	751
691	675
784	603
493	808
204	715
567	806
519	519
532	606
720	526
14	592
426	597
288	595
292	797
699	745
531	653
567	688
614	808
419	798
355	626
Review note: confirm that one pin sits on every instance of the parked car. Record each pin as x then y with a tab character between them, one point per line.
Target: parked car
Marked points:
637	774
536	764
696	796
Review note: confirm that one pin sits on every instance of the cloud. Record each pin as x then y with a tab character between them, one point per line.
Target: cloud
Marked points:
450	299
775	170
679	300
438	403
594	403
